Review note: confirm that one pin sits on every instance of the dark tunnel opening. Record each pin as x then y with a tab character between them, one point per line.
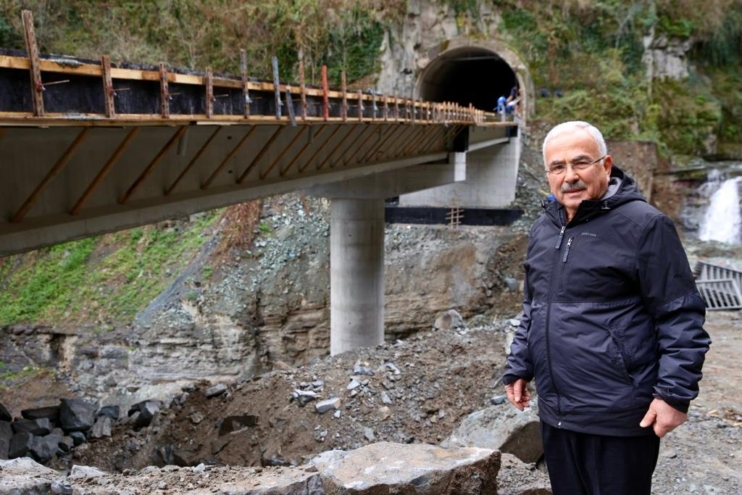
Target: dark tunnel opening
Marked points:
468	75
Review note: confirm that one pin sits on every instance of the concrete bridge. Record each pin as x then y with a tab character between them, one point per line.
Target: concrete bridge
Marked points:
87	147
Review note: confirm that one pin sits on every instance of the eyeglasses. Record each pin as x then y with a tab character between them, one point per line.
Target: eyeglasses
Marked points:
577	165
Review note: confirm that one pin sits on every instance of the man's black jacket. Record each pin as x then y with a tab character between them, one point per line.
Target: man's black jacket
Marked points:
612	317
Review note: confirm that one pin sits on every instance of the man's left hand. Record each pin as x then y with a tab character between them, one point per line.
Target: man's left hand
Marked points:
663	417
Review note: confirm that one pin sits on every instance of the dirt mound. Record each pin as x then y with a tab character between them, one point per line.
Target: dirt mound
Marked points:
416	390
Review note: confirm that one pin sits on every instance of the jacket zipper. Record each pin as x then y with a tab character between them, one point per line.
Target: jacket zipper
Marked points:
566	250
548	319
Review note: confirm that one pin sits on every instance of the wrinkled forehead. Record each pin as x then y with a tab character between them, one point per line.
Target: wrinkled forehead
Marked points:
569	145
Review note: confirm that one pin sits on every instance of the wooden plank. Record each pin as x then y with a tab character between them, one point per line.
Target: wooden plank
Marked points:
152	165
325	96
265	173
245	82
322	147
103	173
311	138
404	130
262	153
344	90
303	91
276	87
360	106
108	92
193	161
164	93
290	108
53	172
209	83
215	173
32	49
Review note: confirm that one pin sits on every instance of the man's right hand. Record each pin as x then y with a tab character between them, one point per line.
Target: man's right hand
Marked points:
518	394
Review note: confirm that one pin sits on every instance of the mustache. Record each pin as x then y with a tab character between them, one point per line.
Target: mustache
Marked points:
575	186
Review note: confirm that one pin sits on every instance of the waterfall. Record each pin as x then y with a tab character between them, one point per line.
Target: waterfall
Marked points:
722	220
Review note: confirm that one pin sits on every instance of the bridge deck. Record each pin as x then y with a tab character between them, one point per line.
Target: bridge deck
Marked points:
89	146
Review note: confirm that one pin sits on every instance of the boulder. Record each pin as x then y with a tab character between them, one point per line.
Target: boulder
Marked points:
519	478
49	412
76	415
147	412
32	426
78	437
20	444
46	447
83	472
450	320
502	428
410	469
102	427
284	481
139	405
6	434
4	414
112	412
217	389
66	444
26	476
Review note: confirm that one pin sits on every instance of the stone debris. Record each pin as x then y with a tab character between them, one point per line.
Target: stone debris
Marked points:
411	469
304	397
235	423
4	414
102	427
358	369
498	400
50	412
501	428
33	426
216	390
327	405
6	434
354	384
113	412
385	398
368	434
76	415
450	320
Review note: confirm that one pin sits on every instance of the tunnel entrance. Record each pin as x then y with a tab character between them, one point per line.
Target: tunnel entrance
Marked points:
467	75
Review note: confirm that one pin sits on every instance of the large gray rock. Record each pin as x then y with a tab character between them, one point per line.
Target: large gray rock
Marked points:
410	469
4	414
147	412
502	428
286	481
49	412
33	426
26	476
20	444
76	415
6	434
113	412
46	447
519	478
102	427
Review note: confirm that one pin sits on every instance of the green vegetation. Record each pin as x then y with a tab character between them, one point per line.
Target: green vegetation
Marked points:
109	278
592	52
9	378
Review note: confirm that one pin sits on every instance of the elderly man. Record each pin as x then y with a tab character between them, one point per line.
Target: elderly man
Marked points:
612	327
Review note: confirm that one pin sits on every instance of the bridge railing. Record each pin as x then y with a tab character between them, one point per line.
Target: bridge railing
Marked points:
51	92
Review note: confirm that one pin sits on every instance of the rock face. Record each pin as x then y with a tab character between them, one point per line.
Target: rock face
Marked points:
411	469
501	427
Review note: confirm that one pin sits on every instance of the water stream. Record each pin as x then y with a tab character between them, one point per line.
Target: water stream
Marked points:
722	220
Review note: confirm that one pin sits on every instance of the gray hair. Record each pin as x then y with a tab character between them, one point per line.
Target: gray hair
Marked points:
576	124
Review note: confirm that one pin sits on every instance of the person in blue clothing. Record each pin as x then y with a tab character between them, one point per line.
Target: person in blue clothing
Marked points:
612	327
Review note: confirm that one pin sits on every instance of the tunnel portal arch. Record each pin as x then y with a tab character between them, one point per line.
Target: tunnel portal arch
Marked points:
475	72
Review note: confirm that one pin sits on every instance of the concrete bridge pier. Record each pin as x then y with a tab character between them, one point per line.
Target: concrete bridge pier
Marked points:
356	274
357	244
